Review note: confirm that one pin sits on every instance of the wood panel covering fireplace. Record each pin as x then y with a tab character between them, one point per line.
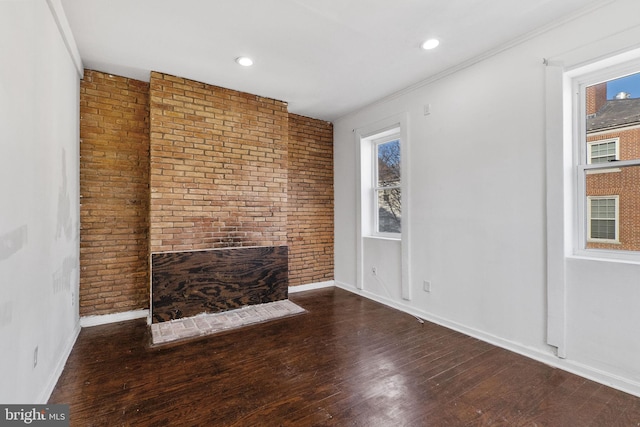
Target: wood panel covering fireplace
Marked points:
185	284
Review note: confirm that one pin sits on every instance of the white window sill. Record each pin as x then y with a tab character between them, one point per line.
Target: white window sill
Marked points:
394	239
624	257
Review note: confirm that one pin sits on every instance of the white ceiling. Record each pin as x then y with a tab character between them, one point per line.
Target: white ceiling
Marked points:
325	58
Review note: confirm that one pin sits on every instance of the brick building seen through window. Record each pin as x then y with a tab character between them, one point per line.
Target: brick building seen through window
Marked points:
612	193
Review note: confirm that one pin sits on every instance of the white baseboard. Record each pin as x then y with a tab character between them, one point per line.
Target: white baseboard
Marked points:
55	374
606	378
104	319
311	286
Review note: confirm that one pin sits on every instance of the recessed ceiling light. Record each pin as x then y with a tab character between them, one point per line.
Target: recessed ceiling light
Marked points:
244	61
430	44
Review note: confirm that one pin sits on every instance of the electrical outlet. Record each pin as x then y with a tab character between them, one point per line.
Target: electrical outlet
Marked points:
35	357
374	271
426	285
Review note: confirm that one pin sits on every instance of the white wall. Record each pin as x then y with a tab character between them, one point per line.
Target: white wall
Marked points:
39	210
385	256
478	206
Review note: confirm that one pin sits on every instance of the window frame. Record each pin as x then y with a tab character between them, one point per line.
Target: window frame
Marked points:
375	188
562	221
397	123
579	81
616	219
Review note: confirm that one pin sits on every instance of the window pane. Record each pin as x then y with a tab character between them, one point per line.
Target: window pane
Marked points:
602	188
389	213
603	152
389	164
613	111
603	218
603	229
613	134
603	208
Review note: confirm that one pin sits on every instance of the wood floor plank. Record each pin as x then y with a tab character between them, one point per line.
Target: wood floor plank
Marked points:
347	361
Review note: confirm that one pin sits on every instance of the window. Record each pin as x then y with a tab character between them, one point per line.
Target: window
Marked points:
603	151
608	119
602	218
387	206
381	203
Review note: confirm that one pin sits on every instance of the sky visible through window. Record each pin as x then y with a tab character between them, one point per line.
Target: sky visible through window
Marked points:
629	84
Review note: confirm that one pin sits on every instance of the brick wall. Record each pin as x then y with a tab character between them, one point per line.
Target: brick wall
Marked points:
310	195
218	167
228	169
114	176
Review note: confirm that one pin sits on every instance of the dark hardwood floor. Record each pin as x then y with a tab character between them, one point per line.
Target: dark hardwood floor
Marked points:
347	362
